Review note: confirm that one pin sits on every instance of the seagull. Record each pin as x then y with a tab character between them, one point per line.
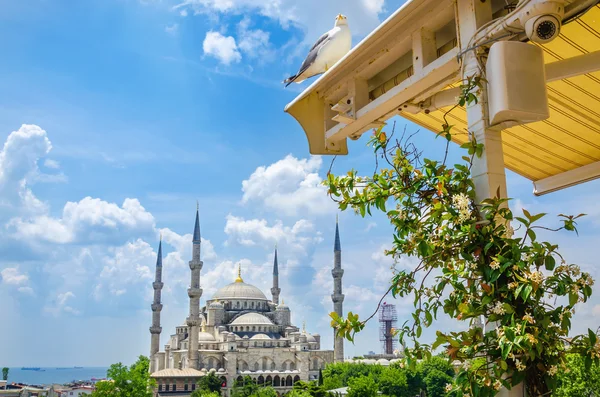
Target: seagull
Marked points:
329	49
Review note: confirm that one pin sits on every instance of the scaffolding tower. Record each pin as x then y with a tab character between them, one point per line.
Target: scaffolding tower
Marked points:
387	323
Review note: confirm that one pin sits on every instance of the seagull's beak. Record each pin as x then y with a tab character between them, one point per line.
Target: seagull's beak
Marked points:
339	17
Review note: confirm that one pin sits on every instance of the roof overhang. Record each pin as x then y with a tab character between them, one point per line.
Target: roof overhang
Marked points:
408	66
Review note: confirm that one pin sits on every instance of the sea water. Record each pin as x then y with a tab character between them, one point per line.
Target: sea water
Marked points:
54	375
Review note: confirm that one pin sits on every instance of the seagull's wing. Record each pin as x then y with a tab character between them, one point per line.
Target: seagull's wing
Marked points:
310	58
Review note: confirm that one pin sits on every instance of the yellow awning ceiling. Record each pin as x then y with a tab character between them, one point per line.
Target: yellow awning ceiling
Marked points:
570	138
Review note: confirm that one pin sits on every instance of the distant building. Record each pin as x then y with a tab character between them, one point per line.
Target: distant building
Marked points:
240	332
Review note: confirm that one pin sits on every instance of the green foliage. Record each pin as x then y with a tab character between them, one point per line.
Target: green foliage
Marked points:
436	382
197	393
249	388
313	389
134	381
320	381
5	373
207	384
576	380
470	265
364	386
393	382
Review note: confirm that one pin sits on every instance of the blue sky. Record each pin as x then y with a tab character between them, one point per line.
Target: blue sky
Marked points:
116	116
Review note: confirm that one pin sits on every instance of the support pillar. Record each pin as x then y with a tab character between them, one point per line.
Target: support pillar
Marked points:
488	171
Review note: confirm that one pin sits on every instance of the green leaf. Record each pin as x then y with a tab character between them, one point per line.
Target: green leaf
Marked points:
531	234
592	336
549	262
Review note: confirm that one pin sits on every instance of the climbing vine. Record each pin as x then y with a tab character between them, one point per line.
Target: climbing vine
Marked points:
471	264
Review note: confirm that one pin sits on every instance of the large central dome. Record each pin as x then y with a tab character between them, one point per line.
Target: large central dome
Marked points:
239	290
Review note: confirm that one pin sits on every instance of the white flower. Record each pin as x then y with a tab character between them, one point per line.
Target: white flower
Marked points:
537	277
528	318
519	365
497	385
552	371
495	265
462	204
448	387
499	309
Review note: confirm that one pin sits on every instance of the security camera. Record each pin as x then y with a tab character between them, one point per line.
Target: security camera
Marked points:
542	29
541	20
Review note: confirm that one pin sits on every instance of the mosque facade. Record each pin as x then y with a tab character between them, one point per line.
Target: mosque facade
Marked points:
238	333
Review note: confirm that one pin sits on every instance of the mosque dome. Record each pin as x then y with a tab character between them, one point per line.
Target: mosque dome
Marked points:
251	319
239	290
215	305
205	337
310	338
260	336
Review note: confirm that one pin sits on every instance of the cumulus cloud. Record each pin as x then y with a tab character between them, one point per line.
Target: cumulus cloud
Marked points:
250	232
89	219
61	304
18	166
223	48
289	186
363	15
128	266
255	43
12	276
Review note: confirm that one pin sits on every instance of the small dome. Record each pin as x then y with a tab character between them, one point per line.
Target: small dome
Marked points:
310	338
251	319
205	337
260	336
215	305
221	370
282	307
383	361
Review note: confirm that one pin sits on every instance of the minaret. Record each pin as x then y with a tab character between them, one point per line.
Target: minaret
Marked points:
275	290
337	297
194	292
156	306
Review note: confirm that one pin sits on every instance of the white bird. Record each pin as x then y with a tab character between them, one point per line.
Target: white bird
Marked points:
329	49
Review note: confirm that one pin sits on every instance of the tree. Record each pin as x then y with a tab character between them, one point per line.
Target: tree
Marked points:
134	381
436	382
320	382
364	386
207	384
246	388
312	388
393	383
5	373
578	381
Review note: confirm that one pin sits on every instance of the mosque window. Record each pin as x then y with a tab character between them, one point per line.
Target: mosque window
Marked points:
252	305
256	366
245	304
185	387
167	388
160	387
174	387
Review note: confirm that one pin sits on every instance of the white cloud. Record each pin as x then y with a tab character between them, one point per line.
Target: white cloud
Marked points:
375	7
87	220
129	266
254	42
289	186
312	16
370	226
258	232
51	163
60	304
183	13
12	276
172	29
221	47
18	166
